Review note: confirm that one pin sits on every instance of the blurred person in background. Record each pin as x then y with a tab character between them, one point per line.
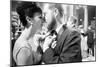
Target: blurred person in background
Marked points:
90	41
14	23
72	23
84	46
14	28
25	49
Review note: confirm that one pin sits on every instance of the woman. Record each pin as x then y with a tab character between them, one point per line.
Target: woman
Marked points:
25	49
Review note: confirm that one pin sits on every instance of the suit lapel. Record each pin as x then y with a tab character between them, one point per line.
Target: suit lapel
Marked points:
60	41
61	37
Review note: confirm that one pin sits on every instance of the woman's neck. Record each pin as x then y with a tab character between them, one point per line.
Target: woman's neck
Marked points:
28	25
29	32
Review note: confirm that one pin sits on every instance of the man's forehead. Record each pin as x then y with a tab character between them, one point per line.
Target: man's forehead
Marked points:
48	6
45	6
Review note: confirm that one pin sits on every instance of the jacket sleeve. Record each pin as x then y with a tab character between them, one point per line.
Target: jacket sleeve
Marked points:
71	51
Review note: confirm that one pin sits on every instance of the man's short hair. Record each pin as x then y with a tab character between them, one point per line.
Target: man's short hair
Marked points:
59	7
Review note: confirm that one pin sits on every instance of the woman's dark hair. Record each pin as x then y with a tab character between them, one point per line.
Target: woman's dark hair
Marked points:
27	9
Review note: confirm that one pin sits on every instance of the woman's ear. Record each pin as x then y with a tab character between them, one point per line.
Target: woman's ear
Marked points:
28	19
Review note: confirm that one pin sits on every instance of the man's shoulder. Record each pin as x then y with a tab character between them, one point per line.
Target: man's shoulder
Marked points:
72	32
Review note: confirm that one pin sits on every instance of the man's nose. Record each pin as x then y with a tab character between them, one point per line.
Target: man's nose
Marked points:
43	18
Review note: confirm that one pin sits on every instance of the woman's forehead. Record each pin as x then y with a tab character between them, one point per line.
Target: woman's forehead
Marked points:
37	14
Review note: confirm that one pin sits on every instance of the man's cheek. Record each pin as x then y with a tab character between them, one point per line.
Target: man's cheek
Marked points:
38	24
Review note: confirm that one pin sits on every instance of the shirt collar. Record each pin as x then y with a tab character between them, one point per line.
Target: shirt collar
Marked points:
58	29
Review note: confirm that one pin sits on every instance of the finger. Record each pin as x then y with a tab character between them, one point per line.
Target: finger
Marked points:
53	44
54	37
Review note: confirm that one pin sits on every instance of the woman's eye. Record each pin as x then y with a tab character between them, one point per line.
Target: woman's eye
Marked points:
40	17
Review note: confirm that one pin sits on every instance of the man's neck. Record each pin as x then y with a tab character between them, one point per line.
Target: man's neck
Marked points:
59	26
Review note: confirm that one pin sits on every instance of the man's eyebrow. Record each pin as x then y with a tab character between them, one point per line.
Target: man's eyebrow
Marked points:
51	6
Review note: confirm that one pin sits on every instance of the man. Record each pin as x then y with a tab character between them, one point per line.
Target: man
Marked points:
90	40
72	23
67	48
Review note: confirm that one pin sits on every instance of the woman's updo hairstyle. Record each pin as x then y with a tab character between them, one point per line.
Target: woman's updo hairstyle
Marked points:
27	9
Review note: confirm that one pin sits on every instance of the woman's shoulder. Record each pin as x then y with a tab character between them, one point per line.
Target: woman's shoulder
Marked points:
20	43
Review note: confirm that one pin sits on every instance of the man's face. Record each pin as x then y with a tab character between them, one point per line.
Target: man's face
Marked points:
48	13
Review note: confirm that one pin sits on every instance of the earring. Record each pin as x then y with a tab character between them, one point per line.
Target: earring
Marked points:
31	23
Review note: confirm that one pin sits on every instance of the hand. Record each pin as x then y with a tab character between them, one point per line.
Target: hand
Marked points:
37	38
48	41
54	44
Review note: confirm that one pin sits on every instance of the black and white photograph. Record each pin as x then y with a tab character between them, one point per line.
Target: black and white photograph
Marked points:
43	33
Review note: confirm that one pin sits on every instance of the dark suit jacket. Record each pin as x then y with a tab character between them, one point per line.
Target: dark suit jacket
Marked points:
90	39
67	50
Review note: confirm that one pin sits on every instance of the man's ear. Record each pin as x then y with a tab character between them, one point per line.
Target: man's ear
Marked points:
56	12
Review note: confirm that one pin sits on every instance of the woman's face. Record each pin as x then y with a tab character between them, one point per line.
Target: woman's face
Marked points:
37	20
37	17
